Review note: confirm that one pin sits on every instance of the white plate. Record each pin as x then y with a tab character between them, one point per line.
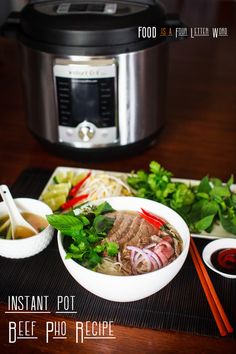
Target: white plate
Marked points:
217	232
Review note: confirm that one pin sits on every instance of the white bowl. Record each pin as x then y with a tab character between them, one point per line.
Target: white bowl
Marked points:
30	246
215	246
134	287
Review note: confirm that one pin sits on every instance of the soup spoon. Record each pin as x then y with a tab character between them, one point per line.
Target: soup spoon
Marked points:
20	227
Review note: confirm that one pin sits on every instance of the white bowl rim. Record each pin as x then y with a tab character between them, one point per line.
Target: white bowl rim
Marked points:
149	274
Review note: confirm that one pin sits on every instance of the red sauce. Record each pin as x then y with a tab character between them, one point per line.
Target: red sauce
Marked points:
224	260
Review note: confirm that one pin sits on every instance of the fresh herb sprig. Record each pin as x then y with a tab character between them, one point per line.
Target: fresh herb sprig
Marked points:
210	202
84	230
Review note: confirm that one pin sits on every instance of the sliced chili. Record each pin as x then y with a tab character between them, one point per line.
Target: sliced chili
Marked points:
145	212
78	185
72	202
152	221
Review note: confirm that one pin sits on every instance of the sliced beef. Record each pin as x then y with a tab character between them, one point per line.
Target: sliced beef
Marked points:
134	228
164	251
130	229
121	225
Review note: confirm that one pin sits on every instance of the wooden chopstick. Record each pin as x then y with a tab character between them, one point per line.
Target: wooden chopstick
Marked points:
217	310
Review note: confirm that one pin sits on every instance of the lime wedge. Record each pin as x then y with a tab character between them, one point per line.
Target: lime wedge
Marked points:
61	187
77	178
64	177
56	202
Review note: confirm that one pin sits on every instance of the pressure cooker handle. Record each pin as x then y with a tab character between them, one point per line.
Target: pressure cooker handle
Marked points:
11	26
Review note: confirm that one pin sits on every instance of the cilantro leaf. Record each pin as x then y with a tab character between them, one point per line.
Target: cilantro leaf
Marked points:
112	248
199	205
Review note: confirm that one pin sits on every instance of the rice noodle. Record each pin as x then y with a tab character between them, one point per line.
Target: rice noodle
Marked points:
109	266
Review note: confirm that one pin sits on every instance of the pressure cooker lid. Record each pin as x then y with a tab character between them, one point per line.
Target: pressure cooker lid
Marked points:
89	23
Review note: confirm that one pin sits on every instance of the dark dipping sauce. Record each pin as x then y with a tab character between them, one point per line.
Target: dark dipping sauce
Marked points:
224	260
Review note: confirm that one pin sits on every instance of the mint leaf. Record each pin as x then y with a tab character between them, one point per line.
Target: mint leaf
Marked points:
204	223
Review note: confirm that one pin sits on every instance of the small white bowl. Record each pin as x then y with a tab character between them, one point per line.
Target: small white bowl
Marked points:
30	246
133	287
215	246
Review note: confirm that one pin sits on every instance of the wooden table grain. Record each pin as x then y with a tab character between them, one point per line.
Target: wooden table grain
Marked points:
199	138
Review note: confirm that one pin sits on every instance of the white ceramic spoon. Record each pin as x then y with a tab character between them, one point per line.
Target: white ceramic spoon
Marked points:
20	227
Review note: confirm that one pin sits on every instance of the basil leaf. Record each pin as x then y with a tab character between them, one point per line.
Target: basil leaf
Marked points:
229	224
209	208
230	181
216	182
204	223
202	195
204	186
67	224
103	223
103	208
220	192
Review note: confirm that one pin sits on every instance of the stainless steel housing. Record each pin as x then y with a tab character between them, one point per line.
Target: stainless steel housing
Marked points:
141	93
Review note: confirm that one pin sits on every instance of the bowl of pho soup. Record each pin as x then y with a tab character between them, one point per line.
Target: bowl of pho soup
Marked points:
125	248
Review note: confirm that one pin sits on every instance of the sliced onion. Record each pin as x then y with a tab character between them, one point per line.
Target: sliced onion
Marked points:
162	257
138	256
157	264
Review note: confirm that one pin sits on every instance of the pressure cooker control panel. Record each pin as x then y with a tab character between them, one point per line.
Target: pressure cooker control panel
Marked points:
87	103
90	7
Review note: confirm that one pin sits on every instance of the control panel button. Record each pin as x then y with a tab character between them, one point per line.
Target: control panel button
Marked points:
86	132
110	8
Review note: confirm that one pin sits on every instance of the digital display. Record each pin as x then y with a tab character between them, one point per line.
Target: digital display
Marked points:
91	100
85	100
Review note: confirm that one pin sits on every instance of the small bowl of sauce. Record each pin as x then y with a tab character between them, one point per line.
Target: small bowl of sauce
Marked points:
220	256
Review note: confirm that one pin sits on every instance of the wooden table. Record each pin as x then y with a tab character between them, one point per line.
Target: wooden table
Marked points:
199	138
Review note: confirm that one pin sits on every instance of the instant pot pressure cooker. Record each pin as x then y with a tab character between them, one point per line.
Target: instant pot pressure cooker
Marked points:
94	72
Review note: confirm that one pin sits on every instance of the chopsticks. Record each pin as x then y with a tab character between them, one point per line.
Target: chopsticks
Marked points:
217	310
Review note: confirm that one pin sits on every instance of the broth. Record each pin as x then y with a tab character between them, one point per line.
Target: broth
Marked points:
37	221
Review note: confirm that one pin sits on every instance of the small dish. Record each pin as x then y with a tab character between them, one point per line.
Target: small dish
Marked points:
215	246
27	247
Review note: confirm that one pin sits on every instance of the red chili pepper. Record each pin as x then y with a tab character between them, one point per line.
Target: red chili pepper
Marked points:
70	203
145	212
152	221
76	188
